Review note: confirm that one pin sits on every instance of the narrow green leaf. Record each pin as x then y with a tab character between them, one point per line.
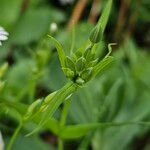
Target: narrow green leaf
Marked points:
77	131
60	50
102	65
51	124
105	62
105	15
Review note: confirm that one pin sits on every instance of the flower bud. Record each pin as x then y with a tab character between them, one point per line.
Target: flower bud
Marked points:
46	102
69	63
80	81
78	54
86	75
53	27
96	34
80	64
87	52
68	72
32	109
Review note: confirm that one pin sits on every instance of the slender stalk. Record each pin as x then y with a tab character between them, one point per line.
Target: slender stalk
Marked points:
32	90
60	144
64	112
14	136
73	41
63	121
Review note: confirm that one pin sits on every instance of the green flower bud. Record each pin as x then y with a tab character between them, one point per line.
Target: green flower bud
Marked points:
87	74
78	54
46	101
80	64
87	52
69	63
32	109
80	81
68	72
49	97
96	34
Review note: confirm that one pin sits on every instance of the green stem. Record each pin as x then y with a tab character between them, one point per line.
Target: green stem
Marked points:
64	112
14	136
60	144
32	90
63	121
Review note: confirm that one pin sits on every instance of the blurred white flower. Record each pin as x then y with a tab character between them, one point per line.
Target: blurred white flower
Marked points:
3	35
53	27
1	142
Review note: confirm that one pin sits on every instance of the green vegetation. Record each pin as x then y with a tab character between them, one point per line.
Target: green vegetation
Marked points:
83	87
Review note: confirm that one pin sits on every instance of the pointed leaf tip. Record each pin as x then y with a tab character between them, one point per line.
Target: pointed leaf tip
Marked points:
60	50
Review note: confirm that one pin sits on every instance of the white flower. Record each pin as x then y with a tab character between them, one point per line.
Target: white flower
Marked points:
1	142
53	27
3	35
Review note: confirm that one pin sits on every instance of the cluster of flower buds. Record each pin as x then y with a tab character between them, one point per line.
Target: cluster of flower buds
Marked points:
79	67
83	65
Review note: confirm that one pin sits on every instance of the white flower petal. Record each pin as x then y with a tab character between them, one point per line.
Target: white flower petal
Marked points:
3	37
4	33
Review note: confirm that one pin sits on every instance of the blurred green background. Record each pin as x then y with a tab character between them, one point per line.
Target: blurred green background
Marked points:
121	93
